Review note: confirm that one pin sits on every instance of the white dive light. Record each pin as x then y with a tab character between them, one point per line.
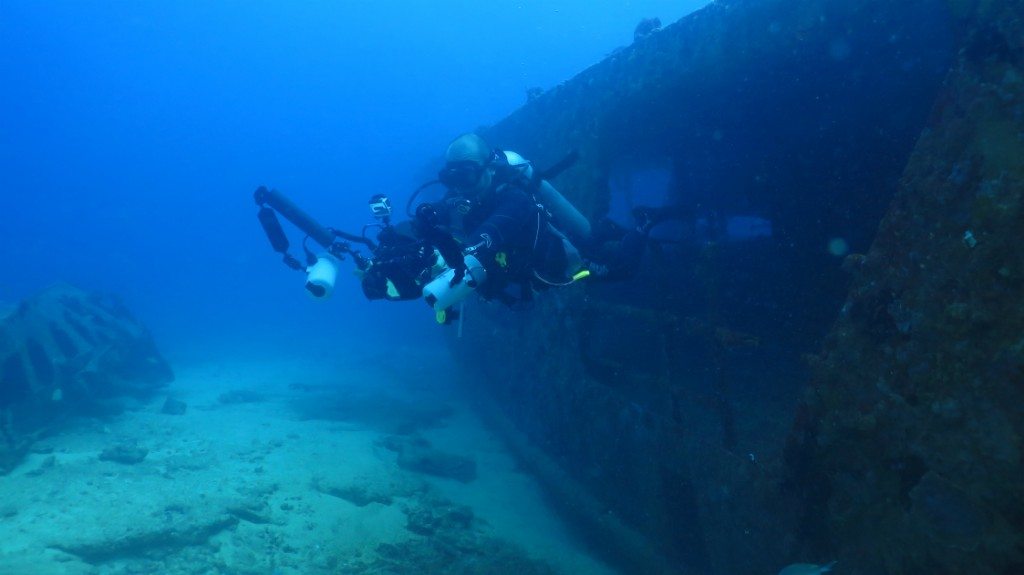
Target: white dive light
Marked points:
320	276
441	294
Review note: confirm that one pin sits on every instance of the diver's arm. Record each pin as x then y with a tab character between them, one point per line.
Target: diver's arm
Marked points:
513	223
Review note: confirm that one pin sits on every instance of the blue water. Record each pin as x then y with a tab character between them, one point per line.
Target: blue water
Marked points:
765	138
134	134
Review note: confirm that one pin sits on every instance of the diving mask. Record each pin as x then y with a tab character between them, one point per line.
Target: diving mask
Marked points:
461	175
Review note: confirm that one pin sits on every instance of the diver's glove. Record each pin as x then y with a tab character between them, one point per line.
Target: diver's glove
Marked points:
428	227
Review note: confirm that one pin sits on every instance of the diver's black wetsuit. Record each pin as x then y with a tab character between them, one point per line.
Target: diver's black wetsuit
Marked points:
510	235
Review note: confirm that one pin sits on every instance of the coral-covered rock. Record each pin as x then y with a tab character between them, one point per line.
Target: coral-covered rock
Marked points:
174	407
416	454
128	454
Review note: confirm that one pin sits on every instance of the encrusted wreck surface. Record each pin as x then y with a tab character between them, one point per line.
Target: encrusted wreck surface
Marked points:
670	399
67	352
908	448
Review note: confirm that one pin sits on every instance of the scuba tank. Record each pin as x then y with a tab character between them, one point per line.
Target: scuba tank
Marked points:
565	215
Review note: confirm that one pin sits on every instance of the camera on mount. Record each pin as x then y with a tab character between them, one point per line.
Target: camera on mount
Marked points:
380	206
399	265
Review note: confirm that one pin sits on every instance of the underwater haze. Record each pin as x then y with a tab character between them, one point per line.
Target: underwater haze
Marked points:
171	398
135	132
665	287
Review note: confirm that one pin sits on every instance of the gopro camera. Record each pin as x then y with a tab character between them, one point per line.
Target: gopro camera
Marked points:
380	205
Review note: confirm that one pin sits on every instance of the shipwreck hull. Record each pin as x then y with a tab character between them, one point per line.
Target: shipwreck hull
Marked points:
908	449
670	400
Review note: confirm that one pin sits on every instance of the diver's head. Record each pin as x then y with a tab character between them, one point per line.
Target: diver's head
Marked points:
468	166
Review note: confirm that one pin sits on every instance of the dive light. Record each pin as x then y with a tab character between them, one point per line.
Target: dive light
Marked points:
320	276
442	293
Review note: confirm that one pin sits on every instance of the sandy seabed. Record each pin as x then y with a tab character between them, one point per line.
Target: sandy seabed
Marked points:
281	467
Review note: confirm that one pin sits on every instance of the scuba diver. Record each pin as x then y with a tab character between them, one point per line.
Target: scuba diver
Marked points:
501	231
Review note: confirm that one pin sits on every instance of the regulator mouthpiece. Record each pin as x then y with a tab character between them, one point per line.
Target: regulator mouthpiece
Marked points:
320	277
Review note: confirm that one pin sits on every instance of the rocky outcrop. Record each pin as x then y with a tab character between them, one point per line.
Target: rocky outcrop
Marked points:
417	455
65	352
